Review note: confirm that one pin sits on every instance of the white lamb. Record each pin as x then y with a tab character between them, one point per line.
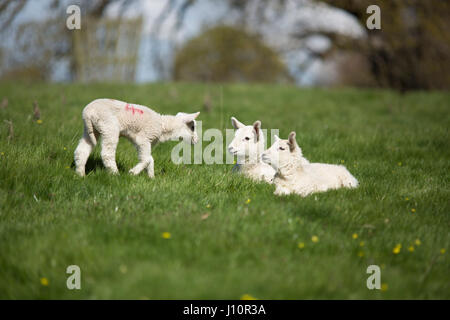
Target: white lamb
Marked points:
110	119
295	175
248	145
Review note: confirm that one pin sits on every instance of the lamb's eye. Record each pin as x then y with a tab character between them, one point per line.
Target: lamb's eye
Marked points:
192	128
281	148
247	138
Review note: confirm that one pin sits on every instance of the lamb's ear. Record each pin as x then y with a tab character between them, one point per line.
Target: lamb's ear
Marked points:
195	115
188	117
257	128
236	124
291	141
276	137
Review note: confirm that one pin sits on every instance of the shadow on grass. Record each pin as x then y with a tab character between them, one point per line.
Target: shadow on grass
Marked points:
96	163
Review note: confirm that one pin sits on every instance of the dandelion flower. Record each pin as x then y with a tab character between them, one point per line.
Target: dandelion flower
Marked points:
123	268
301	245
247	201
397	249
65	148
44	282
399	164
417	242
442	251
315	239
384	287
342	161
362	243
411	249
247	297
208	206
407	199
360	254
166	235
413	210
39	121
355	236
67	167
2	153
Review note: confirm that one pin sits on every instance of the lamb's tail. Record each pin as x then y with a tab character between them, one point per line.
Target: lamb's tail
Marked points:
89	127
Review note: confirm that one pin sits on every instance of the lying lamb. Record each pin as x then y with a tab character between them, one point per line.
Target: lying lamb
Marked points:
295	175
144	127
248	144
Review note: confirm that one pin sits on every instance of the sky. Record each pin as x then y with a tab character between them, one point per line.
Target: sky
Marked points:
275	31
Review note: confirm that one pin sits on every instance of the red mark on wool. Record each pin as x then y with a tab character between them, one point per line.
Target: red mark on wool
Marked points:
133	109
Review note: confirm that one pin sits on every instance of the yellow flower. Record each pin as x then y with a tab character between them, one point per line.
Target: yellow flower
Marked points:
301	245
342	161
360	254
417	242
411	249
407	199
208	206
67	167
166	235
413	210
399	164
65	148
44	282
247	201
315	239
247	297
397	249
39	121
123	268
2	153
361	244
384	286
442	251
355	236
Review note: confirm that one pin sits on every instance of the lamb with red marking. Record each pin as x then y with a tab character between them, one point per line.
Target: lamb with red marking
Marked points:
110	119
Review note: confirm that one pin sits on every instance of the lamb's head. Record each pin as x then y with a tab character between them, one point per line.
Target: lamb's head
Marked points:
283	152
184	127
248	141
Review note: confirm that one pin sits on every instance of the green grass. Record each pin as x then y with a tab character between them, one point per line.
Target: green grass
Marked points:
397	146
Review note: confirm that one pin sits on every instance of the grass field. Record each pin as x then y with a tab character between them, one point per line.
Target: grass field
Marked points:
228	236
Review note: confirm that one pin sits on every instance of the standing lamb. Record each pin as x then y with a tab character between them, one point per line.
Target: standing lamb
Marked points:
144	127
248	145
295	175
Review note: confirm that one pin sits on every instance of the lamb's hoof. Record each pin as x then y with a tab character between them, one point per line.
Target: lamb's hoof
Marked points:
134	172
81	173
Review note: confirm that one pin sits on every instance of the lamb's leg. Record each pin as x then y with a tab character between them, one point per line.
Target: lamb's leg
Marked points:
151	168
143	147
82	153
281	191
108	154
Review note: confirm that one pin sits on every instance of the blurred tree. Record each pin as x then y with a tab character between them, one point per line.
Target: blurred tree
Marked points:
227	54
412	49
42	42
